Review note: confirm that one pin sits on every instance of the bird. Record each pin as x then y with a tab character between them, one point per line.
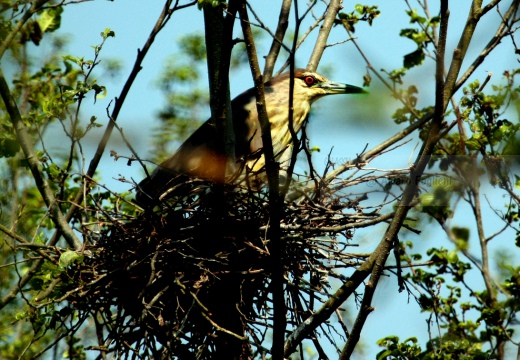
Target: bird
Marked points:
198	156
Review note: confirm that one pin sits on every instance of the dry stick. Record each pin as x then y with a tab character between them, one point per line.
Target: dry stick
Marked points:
376	260
272	168
205	312
276	45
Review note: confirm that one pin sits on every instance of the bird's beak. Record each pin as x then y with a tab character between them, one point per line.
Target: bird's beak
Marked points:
338	88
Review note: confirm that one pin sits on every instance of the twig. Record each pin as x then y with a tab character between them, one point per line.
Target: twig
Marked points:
213	323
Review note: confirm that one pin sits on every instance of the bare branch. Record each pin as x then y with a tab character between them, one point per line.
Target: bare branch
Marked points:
502	31
460	51
276	45
321	42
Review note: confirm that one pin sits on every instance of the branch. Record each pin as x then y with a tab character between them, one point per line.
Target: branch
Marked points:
276	45
502	31
375	263
323	35
295	148
363	158
390	237
219	43
205	312
460	51
305	35
21	240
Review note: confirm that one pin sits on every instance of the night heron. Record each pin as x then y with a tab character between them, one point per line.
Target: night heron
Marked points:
198	155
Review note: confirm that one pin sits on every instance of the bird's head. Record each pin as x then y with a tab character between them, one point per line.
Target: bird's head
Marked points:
310	86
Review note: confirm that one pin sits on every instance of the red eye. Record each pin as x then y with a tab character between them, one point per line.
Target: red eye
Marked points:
309	80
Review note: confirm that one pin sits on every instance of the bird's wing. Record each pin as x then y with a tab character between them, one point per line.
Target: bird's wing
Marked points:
197	157
248	136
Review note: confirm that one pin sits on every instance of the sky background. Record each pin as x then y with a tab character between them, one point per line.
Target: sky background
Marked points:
346	123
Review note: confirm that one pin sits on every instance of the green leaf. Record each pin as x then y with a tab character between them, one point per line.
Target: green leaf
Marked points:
384	354
414	58
412	339
68	257
76	60
100	91
452	257
414	17
9	148
108	33
461	233
473	144
427	199
50	19
517	182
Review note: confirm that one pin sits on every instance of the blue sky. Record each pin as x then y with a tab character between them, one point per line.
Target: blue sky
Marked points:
345	123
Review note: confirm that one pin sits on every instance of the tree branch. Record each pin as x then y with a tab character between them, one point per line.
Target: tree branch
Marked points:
460	51
276	45
502	31
323	35
363	158
375	263
390	237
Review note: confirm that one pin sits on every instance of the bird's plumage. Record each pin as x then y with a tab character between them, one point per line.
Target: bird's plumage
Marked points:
198	155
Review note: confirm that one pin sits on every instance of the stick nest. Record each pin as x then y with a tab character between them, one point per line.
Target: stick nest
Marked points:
193	275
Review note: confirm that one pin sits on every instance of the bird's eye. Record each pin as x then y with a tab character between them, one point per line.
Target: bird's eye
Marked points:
309	80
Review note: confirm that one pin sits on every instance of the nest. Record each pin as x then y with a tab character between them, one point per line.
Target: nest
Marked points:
192	278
